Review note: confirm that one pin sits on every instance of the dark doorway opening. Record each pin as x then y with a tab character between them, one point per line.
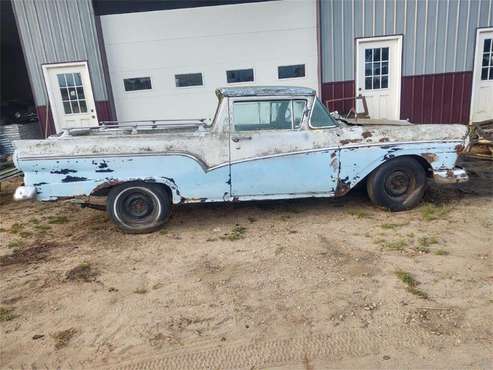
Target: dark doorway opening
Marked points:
18	118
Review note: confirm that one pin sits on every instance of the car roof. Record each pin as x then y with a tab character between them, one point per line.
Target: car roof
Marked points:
264	91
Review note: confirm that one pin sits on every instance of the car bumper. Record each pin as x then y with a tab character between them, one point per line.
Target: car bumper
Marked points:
451	176
25	193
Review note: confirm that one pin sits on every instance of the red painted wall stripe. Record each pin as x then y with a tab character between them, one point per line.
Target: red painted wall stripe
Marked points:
436	98
48	127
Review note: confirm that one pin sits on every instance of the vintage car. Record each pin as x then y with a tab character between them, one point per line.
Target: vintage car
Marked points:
263	143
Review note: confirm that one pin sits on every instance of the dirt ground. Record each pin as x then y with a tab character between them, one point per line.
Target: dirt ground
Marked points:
305	284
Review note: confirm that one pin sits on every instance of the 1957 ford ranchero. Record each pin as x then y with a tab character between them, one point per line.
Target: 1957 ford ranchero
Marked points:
264	143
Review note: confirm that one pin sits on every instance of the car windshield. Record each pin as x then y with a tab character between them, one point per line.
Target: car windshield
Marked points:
320	116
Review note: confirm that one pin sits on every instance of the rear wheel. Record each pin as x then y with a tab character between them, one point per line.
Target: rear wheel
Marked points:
138	207
398	184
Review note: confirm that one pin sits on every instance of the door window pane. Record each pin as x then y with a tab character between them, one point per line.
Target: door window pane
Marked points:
61	80
83	106
262	115
487	45
75	106
385	82
70	79
239	75
376	68
293	71
77	80
66	107
487	60
72	93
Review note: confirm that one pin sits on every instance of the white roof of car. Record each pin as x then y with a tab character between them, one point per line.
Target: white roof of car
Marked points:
264	91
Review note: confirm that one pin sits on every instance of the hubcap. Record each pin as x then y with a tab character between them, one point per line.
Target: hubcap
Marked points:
397	183
138	205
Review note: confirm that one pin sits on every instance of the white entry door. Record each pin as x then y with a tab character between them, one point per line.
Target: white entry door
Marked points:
482	86
70	93
378	75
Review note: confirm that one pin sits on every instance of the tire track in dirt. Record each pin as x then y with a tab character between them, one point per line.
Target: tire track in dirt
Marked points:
355	343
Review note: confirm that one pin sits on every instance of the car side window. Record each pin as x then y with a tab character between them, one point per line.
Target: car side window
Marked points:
320	116
268	114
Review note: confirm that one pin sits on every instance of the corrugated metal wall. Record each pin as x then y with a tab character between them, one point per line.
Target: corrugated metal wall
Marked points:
55	31
438	34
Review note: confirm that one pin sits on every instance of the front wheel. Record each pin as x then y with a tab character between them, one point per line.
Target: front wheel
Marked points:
398	184
138	208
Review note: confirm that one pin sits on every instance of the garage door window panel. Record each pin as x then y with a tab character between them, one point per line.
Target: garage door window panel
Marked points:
189	80
72	93
239	75
291	71
137	83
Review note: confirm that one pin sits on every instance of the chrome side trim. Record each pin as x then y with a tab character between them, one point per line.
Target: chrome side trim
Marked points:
207	168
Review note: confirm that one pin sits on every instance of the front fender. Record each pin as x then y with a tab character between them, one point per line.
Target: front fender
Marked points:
357	162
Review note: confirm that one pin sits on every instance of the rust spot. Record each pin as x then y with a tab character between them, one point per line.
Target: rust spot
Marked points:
69	178
459	148
347	141
343	186
430	157
367	134
64	171
333	155
384	140
106	185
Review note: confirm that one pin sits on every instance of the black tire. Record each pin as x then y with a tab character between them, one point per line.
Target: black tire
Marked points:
398	184
138	207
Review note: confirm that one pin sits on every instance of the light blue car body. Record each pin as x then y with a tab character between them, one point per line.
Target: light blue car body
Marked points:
216	162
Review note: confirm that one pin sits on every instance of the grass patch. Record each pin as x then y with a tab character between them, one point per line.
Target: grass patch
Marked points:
57	220
237	233
359	213
441	252
422	249
63	337
395	245
393	226
163	231
16	228
427	241
411	284
15	244
83	272
25	234
34	221
140	291
42	228
7	314
431	212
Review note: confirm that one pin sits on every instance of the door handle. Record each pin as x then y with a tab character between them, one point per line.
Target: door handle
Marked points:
239	138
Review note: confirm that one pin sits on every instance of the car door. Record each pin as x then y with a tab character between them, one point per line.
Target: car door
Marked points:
273	152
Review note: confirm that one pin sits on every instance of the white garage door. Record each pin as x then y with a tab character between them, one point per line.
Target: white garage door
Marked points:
167	64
